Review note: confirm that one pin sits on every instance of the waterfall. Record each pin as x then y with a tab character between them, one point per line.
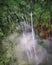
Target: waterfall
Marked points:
25	48
33	35
34	52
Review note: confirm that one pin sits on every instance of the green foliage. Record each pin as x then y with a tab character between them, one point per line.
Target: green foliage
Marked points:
11	12
1	36
46	16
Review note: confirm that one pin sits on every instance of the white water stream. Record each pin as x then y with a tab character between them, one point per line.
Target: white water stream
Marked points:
25	47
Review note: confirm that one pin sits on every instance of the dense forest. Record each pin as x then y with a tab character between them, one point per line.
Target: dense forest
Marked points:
11	12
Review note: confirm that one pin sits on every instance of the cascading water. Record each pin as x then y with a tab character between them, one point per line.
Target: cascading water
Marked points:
33	37
25	48
28	44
